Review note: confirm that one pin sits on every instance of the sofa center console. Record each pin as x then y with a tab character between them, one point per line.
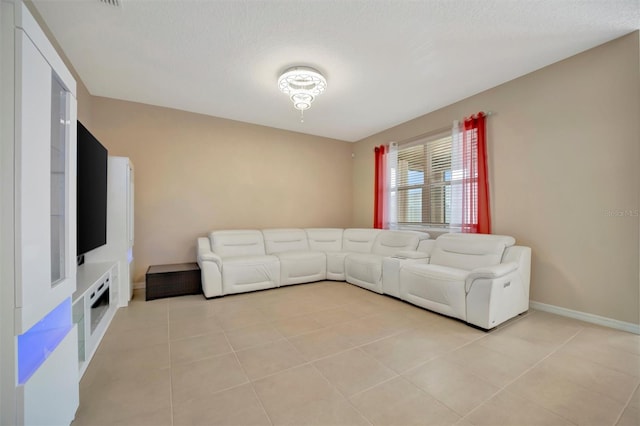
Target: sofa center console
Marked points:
391	272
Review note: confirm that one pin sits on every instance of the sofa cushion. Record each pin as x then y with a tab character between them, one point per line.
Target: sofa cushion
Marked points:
435	287
469	251
302	267
365	270
248	273
388	243
359	240
237	243
283	240
324	239
335	265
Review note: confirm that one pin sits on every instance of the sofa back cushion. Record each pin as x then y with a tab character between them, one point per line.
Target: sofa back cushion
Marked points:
281	240
359	240
237	243
426	246
388	243
469	251
324	239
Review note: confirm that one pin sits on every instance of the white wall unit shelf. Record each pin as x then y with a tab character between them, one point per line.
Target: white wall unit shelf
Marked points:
95	303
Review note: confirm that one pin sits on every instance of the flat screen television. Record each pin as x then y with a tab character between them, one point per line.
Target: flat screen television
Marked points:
91	231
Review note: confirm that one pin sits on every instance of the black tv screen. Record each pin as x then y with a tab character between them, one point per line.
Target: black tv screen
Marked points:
91	192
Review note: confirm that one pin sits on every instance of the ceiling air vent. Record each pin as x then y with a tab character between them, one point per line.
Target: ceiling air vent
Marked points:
114	3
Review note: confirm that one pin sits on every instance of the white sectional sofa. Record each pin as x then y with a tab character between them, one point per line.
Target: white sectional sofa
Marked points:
480	279
236	261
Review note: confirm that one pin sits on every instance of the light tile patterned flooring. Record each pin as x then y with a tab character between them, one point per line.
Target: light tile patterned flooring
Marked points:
332	353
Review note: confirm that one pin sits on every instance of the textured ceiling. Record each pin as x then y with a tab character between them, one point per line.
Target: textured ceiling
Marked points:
385	61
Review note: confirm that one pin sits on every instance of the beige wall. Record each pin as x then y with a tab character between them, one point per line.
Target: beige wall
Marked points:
85	101
195	174
564	151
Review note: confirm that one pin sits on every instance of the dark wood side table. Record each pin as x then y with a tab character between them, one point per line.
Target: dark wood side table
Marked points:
172	280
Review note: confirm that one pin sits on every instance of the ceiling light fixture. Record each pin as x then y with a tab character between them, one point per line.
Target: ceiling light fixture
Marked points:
302	84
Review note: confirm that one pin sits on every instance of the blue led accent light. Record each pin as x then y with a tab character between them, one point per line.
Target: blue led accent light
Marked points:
37	343
130	254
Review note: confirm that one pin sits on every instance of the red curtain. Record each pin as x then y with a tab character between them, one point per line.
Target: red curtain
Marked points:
475	188
379	194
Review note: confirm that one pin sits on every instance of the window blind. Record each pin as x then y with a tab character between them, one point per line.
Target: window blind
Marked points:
424	182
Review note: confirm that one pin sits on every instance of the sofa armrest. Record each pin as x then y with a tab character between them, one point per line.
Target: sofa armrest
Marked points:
492	272
211	269
522	256
205	254
210	257
411	254
495	294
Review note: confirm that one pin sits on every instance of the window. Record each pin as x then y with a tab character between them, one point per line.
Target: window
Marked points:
438	181
423	182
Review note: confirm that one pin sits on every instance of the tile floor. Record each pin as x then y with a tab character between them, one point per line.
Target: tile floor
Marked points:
332	353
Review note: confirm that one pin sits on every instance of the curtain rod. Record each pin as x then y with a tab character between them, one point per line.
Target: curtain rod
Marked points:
430	133
423	135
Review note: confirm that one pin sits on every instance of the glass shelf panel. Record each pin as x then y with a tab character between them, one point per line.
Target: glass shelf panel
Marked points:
59	129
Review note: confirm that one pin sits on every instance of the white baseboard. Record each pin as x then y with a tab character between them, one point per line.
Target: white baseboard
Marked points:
586	317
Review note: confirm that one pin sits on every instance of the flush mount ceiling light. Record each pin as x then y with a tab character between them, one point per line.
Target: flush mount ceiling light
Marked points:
302	84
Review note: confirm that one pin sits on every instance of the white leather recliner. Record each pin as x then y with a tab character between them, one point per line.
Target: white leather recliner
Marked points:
365	269
480	279
298	264
236	262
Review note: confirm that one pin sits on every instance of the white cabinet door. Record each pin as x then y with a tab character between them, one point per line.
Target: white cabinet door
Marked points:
39	287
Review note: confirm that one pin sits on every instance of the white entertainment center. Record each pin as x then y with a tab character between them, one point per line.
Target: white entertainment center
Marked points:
53	313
